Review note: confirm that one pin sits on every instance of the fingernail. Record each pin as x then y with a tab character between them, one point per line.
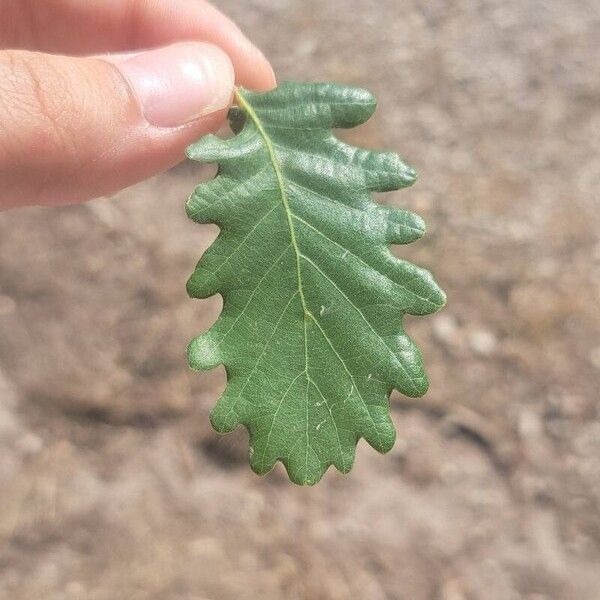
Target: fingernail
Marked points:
180	83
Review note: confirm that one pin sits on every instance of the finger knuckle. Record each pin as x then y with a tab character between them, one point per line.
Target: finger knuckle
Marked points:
37	100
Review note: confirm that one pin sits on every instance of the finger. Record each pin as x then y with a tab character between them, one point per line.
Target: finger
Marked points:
82	27
76	128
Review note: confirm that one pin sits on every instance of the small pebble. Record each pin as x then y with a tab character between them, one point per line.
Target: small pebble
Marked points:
7	305
30	443
483	342
445	328
530	425
595	357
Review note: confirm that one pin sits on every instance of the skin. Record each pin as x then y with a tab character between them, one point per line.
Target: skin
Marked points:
70	128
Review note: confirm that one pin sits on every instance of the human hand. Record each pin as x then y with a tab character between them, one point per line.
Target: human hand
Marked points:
86	109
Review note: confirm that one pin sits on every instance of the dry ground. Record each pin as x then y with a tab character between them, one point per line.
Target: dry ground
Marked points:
113	486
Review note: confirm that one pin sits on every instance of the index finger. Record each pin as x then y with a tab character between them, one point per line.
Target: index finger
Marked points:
80	27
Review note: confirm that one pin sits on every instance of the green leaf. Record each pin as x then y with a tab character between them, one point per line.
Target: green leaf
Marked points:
311	330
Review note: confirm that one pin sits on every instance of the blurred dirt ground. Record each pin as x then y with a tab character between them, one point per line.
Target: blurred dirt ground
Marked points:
112	484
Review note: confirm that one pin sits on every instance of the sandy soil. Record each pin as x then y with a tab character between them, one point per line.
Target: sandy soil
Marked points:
112	484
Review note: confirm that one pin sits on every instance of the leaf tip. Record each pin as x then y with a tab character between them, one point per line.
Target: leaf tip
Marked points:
420	387
409	175
404	227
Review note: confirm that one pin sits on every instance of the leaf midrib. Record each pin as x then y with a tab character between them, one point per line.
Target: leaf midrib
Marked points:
282	189
244	105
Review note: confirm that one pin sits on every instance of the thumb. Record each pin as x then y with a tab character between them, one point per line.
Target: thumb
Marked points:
72	129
